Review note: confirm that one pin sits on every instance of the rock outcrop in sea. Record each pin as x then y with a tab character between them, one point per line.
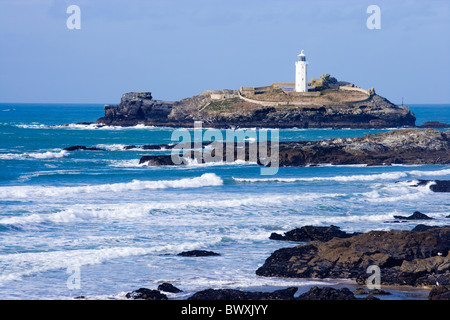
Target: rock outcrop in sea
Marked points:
311	233
406	146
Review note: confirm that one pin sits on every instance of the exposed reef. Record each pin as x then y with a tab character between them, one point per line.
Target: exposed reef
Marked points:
406	146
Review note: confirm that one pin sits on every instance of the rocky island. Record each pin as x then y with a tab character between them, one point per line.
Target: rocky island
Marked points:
328	104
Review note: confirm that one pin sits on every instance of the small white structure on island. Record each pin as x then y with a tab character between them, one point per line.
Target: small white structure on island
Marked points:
301	82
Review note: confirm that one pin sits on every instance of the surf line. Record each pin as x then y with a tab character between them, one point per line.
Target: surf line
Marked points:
263	151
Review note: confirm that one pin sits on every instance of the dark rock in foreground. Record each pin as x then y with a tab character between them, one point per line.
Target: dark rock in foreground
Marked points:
327	293
315	293
232	294
373	292
168	287
198	253
415	216
439	293
405	258
76	148
436	186
311	233
146	294
422	227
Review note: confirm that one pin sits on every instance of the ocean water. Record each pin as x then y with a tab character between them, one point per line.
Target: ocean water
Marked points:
98	224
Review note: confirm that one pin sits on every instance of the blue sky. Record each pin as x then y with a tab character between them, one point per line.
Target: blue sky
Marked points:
177	49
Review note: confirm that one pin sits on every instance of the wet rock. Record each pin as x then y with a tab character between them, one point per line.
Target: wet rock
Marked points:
422	227
311	233
161	160
232	294
436	185
146	294
415	216
439	293
152	147
359	291
378	292
198	253
168	287
327	293
406	257
76	148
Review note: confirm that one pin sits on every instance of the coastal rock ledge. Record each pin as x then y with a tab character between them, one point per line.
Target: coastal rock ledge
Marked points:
406	146
417	258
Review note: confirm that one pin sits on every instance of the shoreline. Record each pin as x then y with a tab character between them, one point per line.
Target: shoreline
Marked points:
351	284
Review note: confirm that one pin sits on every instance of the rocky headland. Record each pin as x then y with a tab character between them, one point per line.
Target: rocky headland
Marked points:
330	104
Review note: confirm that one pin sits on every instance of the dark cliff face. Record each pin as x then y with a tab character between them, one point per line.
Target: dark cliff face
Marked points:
136	108
224	109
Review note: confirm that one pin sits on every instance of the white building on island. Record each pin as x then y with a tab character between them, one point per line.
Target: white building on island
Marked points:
301	82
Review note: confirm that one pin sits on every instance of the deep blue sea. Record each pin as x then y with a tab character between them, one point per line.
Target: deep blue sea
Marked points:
98	224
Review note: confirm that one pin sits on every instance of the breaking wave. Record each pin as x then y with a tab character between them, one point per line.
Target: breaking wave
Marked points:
370	177
365	177
18	192
34	155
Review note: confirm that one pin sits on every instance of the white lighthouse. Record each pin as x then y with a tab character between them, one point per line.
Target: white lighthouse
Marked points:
301	82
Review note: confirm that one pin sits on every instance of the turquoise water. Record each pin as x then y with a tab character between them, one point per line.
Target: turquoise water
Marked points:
120	224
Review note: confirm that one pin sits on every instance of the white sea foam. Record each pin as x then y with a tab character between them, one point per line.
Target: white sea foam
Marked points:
194	163
420	173
111	147
28	176
18	265
48	154
133	163
90	126
365	177
121	147
211	208
34	155
398	192
207	179
370	177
